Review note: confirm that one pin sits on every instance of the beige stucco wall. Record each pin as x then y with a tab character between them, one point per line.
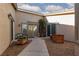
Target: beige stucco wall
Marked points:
65	25
5	9
22	17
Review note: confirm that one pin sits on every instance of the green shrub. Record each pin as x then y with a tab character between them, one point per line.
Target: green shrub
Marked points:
20	36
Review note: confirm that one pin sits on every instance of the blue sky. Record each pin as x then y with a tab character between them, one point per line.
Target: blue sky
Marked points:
46	7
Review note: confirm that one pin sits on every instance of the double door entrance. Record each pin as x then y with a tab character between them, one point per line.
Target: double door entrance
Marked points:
30	29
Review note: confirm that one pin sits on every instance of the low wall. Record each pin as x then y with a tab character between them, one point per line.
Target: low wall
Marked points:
67	30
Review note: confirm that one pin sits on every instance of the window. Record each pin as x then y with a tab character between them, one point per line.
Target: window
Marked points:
24	28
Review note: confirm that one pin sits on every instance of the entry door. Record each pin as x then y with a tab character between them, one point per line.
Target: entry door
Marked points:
11	30
32	30
51	29
11	26
48	29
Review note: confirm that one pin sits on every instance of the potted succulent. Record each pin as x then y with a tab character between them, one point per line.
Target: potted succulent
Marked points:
21	38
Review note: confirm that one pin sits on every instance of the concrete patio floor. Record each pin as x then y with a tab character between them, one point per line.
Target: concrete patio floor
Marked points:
43	47
36	48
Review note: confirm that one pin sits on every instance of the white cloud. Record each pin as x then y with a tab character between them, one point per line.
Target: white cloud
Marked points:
54	8
71	5
29	7
71	9
48	9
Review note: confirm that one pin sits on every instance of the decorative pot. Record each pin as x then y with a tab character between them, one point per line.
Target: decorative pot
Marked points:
22	41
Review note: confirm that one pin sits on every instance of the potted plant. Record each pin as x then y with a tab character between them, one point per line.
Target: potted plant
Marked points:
42	27
21	38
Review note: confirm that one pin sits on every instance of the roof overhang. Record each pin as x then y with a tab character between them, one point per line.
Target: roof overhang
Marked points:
14	5
30	12
59	14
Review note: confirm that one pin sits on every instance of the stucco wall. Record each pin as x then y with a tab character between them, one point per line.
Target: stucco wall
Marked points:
22	17
67	30
66	25
62	19
5	9
77	22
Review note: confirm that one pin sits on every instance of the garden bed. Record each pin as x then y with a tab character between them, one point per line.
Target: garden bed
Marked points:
14	49
57	49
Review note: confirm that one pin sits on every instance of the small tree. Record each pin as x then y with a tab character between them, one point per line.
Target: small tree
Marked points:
42	27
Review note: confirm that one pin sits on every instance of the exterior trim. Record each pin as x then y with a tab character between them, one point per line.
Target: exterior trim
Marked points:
29	13
61	14
14	6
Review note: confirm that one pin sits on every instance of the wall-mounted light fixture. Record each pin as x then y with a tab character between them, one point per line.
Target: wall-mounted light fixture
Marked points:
10	17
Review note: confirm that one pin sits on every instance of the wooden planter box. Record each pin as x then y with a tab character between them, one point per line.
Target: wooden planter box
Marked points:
57	38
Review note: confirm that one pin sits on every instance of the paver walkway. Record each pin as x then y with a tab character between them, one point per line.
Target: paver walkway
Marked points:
36	48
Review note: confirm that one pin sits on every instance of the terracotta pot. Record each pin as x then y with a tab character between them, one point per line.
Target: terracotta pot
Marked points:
22	41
